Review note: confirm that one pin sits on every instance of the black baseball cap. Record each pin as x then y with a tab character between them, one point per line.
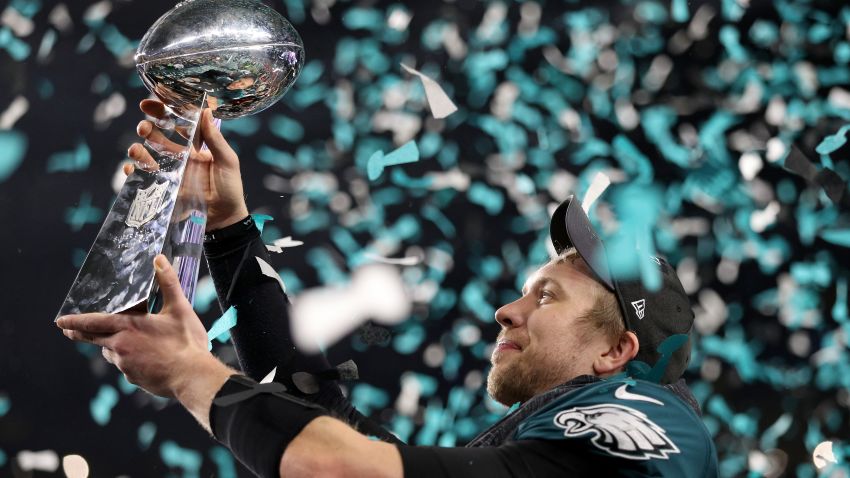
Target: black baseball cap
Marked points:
661	320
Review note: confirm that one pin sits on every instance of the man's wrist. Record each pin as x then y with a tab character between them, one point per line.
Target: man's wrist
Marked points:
229	220
236	228
198	382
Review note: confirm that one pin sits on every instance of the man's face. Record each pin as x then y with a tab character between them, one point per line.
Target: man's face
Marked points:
542	343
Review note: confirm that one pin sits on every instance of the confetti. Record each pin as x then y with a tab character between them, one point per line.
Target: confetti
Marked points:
269	271
102	404
222	326
45	460
407	153
322	316
440	103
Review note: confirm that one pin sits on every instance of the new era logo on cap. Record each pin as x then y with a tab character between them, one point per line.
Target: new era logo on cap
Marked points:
640	306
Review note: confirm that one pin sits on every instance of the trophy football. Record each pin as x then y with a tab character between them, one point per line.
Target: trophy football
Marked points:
236	57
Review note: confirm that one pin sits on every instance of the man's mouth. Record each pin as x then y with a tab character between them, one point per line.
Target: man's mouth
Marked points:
504	344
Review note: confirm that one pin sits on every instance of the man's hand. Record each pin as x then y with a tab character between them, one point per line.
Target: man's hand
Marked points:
162	353
216	171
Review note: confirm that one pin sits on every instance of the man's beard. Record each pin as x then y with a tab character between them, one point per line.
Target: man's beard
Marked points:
517	379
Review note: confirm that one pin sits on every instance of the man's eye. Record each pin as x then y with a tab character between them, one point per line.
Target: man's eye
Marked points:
545	295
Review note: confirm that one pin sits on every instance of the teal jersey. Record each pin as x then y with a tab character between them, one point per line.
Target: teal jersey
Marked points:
637	427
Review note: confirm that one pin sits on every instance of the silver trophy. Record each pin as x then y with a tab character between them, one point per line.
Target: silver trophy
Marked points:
236	57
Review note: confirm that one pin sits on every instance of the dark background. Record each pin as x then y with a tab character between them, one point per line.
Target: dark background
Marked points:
769	365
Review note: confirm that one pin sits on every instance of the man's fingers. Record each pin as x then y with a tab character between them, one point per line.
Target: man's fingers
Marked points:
140	155
128	169
96	323
154	136
221	151
169	284
103	340
153	108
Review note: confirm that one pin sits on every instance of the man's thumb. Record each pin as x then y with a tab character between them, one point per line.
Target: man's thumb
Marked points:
169	283
214	140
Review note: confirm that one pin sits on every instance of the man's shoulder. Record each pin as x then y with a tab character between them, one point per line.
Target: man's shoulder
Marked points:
611	398
623	418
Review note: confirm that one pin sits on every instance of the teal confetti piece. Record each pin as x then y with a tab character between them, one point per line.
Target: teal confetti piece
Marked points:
205	295
13	145
223	459
221	325
680	10
70	161
632	160
125	386
657	122
295	10
146	434
492	200
260	220
277	158
839	237
3	459
102	404
764	33
311	73
831	143
27	8
730	38
652	12
409	341
712	136
366	398
474	299
175	456
839	308
286	128
244	126
363	19
5	404
115	41
82	214
17	49
407	153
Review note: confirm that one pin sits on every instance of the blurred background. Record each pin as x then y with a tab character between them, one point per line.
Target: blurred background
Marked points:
720	124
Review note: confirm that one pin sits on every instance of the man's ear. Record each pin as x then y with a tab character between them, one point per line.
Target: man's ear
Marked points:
615	358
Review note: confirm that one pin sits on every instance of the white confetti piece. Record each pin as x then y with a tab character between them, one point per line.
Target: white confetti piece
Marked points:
402	261
322	316
17	108
440	103
20	25
269	271
60	18
453	178
280	244
269	376
598	186
45	460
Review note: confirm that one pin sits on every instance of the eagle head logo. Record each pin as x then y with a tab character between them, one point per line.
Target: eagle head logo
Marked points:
619	430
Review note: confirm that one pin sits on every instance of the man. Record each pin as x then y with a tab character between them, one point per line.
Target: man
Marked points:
563	351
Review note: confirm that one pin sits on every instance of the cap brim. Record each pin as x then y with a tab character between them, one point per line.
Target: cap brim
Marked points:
570	227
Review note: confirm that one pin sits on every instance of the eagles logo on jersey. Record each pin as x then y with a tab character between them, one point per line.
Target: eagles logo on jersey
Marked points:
619	430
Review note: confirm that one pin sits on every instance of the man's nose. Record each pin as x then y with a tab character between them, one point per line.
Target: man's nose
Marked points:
512	314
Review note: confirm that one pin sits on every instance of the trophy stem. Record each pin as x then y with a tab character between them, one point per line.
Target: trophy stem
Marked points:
188	266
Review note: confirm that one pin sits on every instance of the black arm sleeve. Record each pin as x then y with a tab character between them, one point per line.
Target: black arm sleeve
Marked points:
518	459
262	336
